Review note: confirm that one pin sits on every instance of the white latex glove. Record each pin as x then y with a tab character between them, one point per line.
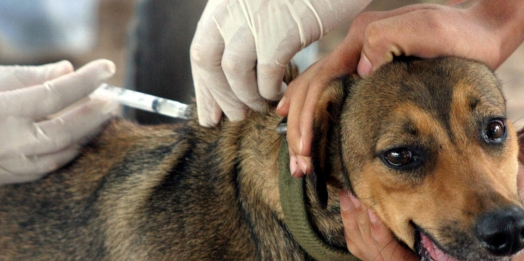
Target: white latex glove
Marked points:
241	48
36	136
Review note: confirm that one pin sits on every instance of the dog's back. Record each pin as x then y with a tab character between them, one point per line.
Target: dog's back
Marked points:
148	193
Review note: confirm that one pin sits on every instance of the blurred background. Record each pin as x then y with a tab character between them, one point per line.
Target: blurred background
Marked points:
149	42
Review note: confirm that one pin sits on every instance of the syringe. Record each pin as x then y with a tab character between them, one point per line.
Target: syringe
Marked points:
143	101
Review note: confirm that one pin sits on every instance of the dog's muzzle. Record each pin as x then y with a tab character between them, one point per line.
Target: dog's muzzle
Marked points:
499	232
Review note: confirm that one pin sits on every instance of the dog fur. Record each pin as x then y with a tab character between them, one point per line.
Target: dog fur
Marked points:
186	192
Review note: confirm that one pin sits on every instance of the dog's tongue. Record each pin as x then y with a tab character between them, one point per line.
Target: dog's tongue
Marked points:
435	252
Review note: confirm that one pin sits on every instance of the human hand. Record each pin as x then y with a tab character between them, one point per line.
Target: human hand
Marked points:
485	31
37	136
366	236
241	48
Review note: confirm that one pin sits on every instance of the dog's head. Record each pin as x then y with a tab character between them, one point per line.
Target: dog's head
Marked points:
426	145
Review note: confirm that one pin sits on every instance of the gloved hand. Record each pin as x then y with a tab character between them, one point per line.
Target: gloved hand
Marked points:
241	48
36	134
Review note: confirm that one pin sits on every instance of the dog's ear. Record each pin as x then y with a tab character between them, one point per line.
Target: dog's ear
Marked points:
325	136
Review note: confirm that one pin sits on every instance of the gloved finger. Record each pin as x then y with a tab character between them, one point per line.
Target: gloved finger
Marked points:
209	94
74	125
67	128
238	63
209	113
232	107
270	84
275	48
271	66
15	77
211	86
39	101
27	169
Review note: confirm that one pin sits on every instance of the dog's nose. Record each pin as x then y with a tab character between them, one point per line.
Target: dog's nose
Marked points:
501	232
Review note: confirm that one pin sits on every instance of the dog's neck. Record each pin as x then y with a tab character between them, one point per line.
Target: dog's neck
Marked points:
299	218
261	173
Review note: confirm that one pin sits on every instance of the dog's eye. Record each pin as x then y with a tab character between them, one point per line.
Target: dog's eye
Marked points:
495	131
403	158
399	157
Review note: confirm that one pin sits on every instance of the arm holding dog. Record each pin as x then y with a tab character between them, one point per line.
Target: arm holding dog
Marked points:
486	31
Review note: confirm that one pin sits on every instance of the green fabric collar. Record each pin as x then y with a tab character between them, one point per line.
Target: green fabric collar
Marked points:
292	199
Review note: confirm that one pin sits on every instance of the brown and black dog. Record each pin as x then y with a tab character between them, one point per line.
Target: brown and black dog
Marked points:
424	143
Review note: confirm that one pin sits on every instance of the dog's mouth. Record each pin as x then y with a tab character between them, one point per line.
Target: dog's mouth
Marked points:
428	250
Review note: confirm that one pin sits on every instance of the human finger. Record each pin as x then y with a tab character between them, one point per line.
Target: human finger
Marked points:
389	247
382	41
366	236
15	77
289	105
352	230
270	84
469	36
25	169
301	98
294	167
361	216
65	129
39	101
212	90
238	62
